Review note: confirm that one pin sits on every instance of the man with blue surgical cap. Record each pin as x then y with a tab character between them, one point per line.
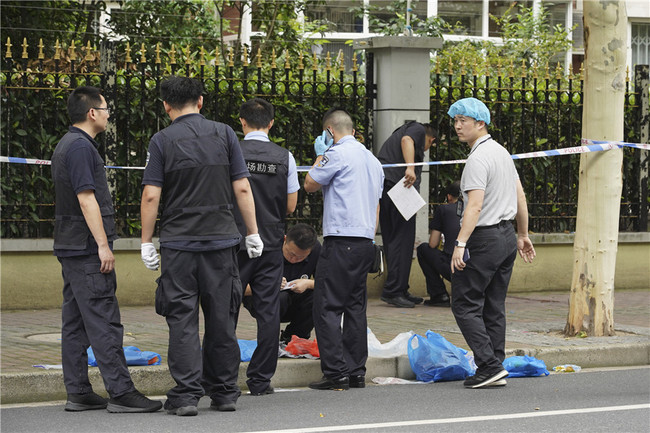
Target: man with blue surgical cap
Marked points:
486	245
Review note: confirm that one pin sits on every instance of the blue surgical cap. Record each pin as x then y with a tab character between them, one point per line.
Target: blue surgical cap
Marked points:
470	107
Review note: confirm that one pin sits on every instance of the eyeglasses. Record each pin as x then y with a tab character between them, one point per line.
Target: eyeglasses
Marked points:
108	111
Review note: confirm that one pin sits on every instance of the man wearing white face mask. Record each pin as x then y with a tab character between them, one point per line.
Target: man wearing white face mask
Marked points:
351	179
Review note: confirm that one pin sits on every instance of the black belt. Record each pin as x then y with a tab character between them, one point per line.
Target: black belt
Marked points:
494	226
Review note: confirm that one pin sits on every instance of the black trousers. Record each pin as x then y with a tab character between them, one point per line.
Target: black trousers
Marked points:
398	236
340	291
210	278
296	308
436	265
479	294
90	315
264	274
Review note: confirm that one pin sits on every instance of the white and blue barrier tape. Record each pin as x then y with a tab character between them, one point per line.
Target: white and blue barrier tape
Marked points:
587	146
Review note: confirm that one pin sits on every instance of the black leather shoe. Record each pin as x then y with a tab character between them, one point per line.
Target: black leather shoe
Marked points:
269	390
358	381
415	299
398	301
340	384
438	301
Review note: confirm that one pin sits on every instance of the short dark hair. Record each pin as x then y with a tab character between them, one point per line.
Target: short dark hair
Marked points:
181	91
257	112
431	130
339	119
453	189
81	100
303	235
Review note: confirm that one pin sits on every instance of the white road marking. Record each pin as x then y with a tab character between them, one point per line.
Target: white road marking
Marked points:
458	420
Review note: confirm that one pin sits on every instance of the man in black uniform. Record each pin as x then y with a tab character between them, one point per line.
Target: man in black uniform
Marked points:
300	251
436	264
274	182
199	165
406	144
84	231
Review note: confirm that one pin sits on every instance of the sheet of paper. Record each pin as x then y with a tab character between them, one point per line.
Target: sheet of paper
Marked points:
407	200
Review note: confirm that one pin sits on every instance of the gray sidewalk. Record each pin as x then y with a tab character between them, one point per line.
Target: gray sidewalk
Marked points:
535	321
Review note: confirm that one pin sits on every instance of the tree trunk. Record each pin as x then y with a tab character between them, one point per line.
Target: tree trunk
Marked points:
599	194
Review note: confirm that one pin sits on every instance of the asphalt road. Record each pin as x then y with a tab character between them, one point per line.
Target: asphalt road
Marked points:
602	400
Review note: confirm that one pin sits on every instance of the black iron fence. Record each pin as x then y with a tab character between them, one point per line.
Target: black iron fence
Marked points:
531	111
535	110
34	118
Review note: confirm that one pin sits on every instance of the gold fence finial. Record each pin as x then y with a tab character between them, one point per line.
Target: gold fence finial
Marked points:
627	74
24	45
523	68
72	52
172	55
558	71
487	67
41	54
245	57
89	53
462	66
158	61
217	54
498	67
328	62
535	67
582	71
355	68
341	59
475	67
546	74
231	57
301	65
258	58
287	63
8	44
127	58
273	64
57	50
511	69
314	63
450	67
202	56
143	53
188	59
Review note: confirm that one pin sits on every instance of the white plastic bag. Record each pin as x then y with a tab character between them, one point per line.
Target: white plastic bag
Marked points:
396	347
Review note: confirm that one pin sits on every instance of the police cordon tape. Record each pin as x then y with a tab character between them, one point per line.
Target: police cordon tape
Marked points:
587	146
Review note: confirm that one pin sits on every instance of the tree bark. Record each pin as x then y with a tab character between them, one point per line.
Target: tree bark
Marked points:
591	302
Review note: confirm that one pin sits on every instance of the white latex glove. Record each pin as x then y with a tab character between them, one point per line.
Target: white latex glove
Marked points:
149	256
254	245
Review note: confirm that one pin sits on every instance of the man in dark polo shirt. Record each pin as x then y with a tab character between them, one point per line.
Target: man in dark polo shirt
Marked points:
406	144
300	250
84	232
199	165
436	263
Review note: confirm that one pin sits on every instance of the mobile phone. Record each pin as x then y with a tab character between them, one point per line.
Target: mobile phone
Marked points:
466	255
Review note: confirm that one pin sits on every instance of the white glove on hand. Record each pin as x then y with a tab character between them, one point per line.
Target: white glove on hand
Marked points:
149	256
254	245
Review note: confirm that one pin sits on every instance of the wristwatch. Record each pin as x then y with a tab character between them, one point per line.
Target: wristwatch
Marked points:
460	244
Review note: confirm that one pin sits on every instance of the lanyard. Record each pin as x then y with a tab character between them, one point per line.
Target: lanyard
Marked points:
476	146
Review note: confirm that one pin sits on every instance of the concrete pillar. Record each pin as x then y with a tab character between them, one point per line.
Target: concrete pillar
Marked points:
402	77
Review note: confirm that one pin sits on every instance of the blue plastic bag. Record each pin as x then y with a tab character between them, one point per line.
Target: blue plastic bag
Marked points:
133	355
434	359
525	366
246	348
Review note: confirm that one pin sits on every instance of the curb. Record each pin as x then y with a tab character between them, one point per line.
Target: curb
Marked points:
47	385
